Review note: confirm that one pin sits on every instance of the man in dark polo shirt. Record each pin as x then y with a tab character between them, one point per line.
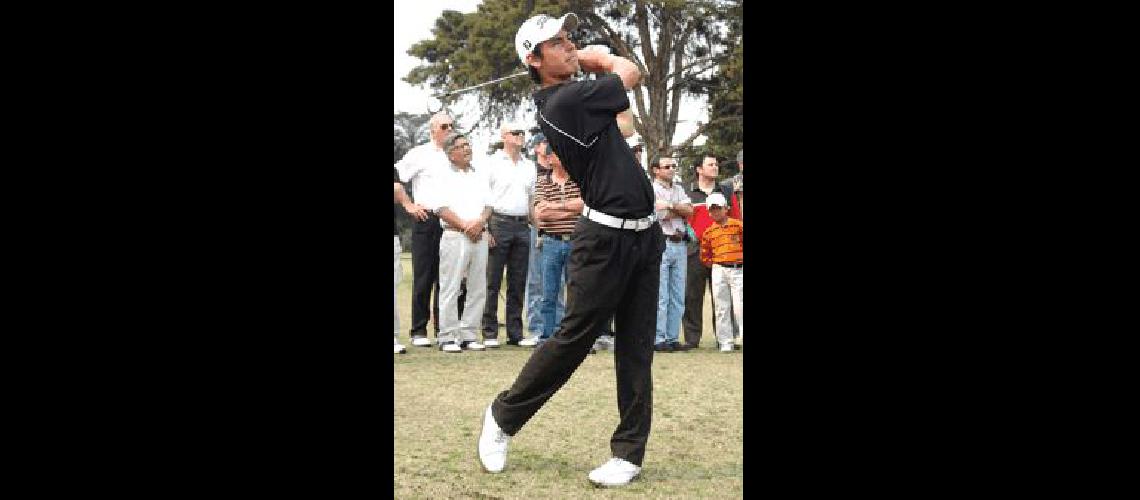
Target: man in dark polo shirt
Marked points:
615	256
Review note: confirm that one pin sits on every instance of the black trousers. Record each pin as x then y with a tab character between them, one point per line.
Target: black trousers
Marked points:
425	275
612	272
511	250
698	278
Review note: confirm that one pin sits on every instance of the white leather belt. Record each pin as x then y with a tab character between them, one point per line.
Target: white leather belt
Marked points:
617	223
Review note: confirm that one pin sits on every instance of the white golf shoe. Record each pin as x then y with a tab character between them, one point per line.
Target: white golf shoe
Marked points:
616	472
492	444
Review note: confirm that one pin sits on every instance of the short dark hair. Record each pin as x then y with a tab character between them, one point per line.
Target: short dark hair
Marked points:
449	141
530	69
700	158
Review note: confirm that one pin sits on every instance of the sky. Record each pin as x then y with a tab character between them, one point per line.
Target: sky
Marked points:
412	22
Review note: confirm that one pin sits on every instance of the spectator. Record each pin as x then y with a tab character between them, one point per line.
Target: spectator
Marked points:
722	249
638	149
398	196
512	185
736	185
422	167
463	247
557	207
698	278
672	206
534	289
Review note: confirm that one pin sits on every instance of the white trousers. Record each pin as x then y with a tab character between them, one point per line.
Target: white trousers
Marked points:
396	272
461	258
728	290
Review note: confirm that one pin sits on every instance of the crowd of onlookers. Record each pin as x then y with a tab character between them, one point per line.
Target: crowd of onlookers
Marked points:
478	221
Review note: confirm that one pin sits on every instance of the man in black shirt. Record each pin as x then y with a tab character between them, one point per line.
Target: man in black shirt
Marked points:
615	257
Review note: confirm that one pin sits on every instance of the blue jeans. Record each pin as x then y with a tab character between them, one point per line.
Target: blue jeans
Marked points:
671	294
555	254
534	287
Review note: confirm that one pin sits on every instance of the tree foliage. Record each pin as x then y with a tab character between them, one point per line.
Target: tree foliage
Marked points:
726	102
409	130
673	42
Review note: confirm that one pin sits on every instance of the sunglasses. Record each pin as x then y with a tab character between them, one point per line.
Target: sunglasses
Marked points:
444	126
517	132
665	167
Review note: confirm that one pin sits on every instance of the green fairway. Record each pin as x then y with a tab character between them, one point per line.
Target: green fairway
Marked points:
695	449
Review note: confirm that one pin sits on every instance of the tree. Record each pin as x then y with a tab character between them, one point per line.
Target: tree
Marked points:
408	131
726	103
673	42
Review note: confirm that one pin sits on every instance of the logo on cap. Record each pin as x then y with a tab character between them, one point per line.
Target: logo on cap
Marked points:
526	44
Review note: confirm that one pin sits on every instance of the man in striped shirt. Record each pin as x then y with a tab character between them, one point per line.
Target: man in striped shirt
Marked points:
722	249
557	206
672	206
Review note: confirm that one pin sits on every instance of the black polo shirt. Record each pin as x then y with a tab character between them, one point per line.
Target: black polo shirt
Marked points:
579	121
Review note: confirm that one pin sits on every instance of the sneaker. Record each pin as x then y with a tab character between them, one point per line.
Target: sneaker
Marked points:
471	345
607	342
616	472
421	341
450	347
399	349
528	342
493	444
604	343
489	343
726	347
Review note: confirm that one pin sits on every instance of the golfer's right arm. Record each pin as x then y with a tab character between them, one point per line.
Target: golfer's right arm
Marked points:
600	62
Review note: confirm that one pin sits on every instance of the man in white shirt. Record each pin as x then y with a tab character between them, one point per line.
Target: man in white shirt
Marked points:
463	213
512	179
420	168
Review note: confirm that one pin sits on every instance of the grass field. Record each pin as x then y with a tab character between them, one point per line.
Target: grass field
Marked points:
695	449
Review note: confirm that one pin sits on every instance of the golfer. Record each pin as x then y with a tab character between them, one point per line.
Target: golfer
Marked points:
615	256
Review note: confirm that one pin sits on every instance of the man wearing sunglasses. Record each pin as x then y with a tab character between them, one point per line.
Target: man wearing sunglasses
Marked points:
423	167
512	179
615	256
672	205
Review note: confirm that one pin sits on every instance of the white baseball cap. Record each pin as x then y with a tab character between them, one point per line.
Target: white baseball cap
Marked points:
539	29
511	125
715	199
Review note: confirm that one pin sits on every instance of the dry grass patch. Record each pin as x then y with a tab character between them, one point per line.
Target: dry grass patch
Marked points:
695	449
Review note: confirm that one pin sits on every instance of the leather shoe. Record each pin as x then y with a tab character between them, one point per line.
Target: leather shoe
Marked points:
679	347
663	347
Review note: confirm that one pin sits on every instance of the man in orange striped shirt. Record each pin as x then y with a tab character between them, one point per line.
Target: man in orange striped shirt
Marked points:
722	248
